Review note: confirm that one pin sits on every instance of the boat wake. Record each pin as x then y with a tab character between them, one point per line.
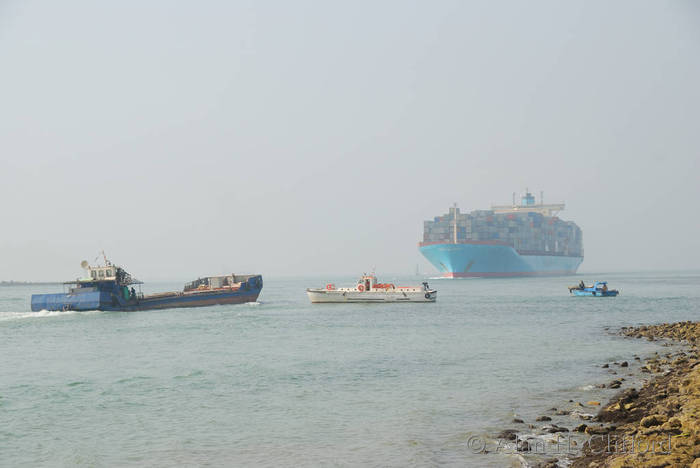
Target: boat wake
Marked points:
5	316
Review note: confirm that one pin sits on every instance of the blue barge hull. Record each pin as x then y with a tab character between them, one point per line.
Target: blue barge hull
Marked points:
108	296
494	259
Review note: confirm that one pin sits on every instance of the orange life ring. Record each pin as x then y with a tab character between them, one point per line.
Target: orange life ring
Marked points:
360	287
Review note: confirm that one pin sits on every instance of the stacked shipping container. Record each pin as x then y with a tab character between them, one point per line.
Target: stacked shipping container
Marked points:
529	233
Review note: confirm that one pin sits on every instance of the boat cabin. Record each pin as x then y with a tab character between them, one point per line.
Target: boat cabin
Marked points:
367	282
108	278
105	277
370	283
103	273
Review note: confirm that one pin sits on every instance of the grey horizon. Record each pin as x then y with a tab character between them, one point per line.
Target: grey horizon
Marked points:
314	138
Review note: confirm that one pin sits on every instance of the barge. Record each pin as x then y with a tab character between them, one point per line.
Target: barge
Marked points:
111	288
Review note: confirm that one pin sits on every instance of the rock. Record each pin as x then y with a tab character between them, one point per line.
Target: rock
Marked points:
581	428
563	413
674	422
553	429
615	384
624	364
543	418
598	430
605	366
508	434
629	395
653	420
518	421
551	463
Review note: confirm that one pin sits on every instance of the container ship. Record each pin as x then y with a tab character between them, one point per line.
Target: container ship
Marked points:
526	239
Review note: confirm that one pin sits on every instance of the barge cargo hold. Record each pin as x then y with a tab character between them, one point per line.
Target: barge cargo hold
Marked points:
111	288
514	240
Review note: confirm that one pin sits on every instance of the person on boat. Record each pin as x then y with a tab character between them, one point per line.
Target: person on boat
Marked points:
605	288
582	285
133	293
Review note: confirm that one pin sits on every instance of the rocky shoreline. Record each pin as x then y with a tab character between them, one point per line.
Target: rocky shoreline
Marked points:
655	425
661	420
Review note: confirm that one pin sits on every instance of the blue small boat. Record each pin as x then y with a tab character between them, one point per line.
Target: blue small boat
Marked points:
599	289
110	287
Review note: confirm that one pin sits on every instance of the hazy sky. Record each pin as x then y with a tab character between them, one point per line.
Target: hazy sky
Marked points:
314	137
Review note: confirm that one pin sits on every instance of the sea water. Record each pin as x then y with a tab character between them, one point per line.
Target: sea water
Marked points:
283	382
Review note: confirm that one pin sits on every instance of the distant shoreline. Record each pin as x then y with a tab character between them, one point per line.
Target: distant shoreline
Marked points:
27	283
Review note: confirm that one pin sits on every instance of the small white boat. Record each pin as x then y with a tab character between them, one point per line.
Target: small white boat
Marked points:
368	289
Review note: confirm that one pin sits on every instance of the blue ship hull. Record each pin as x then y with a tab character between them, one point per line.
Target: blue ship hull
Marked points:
475	259
108	298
